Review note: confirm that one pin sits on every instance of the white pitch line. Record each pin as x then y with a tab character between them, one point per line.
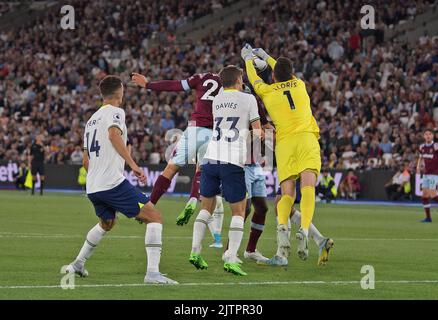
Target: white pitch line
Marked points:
67	236
190	284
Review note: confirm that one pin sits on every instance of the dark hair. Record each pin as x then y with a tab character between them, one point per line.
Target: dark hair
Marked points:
229	75
109	85
190	68
283	69
428	130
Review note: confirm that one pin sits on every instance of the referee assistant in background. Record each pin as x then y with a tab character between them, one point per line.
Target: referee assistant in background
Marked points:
36	162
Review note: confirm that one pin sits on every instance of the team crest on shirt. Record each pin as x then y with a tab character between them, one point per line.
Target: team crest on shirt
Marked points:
117	118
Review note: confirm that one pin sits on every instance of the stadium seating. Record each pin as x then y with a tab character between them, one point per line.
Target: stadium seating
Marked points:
362	89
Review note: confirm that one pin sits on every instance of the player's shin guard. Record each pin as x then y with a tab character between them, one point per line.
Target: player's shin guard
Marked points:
41	187
235	236
307	207
313	231
93	238
152	242
199	228
426	206
160	188
284	207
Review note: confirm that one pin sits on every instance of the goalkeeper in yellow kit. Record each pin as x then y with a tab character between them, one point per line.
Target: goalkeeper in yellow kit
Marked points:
297	149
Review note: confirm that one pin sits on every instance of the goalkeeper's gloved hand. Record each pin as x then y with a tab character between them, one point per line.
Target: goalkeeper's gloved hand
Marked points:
246	52
259	52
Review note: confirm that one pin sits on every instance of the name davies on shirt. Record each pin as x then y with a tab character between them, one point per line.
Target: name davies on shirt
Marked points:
230	105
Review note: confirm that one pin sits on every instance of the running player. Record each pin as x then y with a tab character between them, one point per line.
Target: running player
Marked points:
233	112
297	149
428	164
192	144
105	154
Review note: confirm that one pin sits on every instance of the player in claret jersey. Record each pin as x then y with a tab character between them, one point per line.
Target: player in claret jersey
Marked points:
428	161
193	143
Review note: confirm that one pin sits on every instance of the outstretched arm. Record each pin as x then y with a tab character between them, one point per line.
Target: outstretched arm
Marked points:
85	160
162	85
257	83
165	85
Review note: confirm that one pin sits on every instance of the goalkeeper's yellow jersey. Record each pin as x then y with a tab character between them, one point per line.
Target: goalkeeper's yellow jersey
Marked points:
287	103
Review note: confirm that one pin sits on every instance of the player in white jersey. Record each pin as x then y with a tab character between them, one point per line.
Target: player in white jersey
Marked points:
105	154
222	167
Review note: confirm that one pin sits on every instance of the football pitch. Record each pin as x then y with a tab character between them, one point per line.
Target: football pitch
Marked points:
38	235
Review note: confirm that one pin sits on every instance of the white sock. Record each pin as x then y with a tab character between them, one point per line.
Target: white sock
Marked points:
152	241
211	225
199	228
93	238
218	215
235	235
193	200
313	231
218	218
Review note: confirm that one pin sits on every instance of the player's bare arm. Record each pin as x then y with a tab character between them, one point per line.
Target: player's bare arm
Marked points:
139	79
160	85
114	135
85	160
419	164
257	129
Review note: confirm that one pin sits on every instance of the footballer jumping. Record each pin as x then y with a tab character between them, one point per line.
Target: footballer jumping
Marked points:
297	149
191	146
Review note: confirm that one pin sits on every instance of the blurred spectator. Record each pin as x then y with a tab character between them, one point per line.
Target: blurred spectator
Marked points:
326	188
20	176
168	123
76	156
400	185
361	88
82	177
349	186
385	145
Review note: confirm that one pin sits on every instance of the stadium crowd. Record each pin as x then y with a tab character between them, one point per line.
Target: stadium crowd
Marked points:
371	98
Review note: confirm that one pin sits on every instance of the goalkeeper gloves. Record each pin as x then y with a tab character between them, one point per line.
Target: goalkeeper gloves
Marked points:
246	52
259	52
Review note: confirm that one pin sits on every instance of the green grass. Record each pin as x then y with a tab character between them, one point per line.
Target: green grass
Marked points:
40	234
